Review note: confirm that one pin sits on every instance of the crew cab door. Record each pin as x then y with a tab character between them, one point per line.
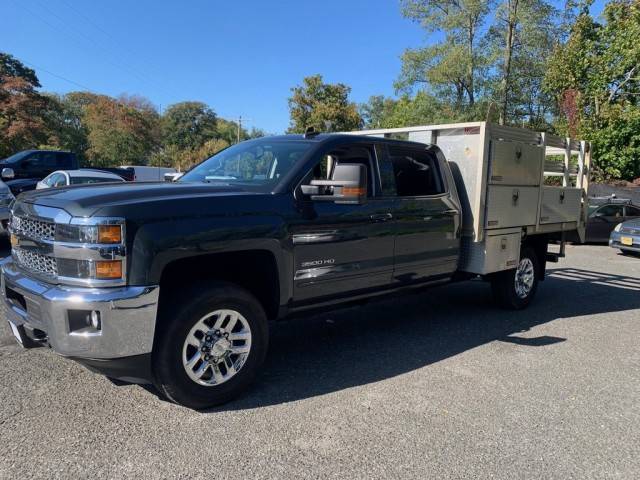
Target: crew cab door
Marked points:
338	248
427	213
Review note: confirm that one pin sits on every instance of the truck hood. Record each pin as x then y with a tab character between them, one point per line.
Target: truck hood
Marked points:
84	201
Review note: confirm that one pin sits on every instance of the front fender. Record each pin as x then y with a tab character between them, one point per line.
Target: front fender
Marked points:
156	245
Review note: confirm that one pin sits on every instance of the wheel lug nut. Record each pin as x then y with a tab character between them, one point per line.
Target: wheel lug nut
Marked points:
208	338
217	333
226	335
204	348
207	357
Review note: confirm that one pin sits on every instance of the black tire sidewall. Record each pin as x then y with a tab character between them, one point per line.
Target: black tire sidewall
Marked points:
504	284
171	378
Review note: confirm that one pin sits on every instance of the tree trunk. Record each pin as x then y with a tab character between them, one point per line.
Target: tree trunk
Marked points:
471	65
512	22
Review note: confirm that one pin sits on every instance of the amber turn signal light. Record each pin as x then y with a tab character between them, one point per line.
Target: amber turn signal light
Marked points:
354	191
109	234
108	269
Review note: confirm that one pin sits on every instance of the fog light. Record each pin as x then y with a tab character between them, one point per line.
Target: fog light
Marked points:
108	269
95	319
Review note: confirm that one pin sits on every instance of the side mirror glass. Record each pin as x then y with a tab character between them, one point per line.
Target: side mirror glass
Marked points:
348	185
8	173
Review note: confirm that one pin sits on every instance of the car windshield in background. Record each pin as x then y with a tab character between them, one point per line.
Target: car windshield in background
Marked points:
257	165
15	157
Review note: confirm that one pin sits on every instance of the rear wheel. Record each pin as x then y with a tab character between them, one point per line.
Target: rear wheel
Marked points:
210	350
515	289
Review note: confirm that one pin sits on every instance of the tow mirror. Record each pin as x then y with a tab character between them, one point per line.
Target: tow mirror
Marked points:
347	185
8	173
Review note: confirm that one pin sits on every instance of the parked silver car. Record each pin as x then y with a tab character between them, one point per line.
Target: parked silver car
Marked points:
626	237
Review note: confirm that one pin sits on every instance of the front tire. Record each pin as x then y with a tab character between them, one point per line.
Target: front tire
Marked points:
210	351
514	289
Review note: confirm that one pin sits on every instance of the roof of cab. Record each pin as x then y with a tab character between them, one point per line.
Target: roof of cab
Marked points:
340	138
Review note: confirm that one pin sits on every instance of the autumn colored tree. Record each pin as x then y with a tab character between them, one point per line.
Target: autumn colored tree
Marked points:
23	122
121	132
324	106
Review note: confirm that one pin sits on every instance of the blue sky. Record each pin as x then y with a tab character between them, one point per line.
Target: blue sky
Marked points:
240	57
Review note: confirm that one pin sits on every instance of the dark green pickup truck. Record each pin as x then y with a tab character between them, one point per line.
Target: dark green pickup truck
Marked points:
175	283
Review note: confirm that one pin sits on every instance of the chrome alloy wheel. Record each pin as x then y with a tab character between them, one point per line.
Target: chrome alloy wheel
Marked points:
525	276
216	347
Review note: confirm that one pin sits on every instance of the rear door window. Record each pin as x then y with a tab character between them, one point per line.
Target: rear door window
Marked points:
63	161
415	172
632	212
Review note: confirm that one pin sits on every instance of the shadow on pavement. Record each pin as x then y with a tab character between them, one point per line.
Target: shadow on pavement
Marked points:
331	352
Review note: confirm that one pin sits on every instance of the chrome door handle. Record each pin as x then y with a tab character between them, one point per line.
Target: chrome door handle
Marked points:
445	213
381	217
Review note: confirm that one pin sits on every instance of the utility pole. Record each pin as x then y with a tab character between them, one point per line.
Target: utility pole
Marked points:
239	127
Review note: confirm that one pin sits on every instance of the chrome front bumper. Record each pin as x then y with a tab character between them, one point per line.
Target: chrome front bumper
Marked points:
616	242
128	315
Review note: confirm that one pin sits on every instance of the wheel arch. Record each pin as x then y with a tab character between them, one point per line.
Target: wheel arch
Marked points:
255	270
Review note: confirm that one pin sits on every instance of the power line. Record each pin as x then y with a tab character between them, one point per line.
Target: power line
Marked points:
83	44
58	76
106	33
122	65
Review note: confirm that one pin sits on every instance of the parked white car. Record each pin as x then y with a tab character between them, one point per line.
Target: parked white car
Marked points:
149	174
84	176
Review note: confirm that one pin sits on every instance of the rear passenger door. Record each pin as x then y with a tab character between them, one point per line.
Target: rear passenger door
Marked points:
427	218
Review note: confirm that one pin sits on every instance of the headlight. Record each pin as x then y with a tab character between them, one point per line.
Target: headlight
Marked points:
618	227
102	234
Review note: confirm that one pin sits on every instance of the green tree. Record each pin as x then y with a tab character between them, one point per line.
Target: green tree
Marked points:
324	106
522	37
595	78
454	65
66	123
188	125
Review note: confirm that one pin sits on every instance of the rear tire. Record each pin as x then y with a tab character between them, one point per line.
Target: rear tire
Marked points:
514	289
194	363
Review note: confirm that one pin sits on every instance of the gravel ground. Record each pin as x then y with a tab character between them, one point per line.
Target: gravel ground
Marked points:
436	385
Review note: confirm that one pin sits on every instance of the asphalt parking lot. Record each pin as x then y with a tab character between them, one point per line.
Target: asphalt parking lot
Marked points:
436	385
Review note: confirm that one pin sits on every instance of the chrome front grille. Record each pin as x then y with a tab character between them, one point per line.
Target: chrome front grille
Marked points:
36	262
36	229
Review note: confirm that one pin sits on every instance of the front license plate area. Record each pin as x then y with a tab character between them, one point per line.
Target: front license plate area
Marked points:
626	241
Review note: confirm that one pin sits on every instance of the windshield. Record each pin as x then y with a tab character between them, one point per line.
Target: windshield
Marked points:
15	157
257	165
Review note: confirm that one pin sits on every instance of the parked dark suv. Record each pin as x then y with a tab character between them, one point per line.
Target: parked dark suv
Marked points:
22	171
